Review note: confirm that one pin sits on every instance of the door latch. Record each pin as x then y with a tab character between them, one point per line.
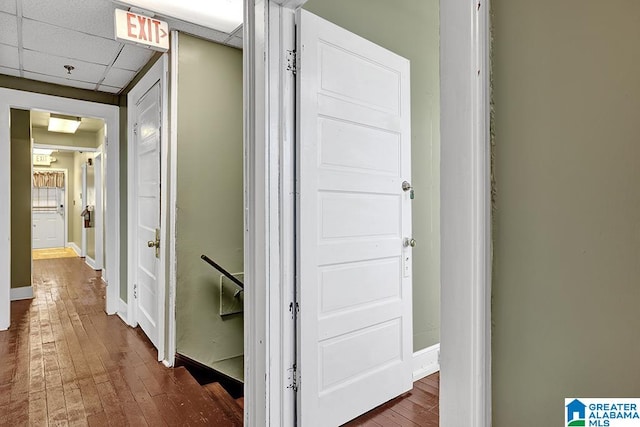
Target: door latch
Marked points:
406	186
156	243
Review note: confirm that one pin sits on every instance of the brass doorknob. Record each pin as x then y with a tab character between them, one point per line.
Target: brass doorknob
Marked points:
152	244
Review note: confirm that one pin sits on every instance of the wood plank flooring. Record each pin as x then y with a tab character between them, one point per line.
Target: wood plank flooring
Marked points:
419	407
65	362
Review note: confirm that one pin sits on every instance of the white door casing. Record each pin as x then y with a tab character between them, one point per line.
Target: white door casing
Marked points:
146	181
354	273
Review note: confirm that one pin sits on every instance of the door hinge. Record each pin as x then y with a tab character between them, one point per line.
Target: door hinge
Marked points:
135	128
292	61
294	381
135	291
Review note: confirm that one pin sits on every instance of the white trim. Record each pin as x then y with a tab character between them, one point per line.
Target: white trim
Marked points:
66	148
122	310
173	201
91	262
25	292
256	208
157	73
163	64
425	362
83	203
465	383
75	248
98	183
10	98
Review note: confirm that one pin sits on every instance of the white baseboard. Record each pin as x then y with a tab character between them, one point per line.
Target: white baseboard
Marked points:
426	362
90	262
75	248
122	310
25	292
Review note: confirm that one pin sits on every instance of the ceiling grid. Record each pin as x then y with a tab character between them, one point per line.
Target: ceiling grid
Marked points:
39	37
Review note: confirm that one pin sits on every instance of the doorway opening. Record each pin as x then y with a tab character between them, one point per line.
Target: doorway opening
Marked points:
68	190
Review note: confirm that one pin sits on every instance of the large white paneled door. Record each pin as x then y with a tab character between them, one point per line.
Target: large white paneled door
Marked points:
354	224
147	210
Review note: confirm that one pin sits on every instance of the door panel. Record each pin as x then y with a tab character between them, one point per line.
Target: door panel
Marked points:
354	280
147	150
48	230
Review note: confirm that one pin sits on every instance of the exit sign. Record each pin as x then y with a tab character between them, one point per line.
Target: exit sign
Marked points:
134	28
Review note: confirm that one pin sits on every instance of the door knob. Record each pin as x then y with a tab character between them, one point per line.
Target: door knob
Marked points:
155	243
409	242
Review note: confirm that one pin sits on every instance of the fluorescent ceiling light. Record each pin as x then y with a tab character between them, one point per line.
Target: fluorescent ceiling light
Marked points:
44	151
221	15
64	124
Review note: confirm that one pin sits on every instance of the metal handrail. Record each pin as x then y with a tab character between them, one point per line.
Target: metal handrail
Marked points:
229	276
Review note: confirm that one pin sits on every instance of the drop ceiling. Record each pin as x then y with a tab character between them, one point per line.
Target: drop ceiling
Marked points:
39	37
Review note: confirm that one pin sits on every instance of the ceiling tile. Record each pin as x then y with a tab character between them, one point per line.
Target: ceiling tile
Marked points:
43	63
8	29
8	6
68	43
9	56
9	71
118	78
133	57
58	80
86	16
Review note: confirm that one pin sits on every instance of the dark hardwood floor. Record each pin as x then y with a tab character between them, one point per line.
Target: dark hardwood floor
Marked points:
65	362
419	407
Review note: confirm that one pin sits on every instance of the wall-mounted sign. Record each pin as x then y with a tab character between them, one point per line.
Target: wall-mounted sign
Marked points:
139	29
43	160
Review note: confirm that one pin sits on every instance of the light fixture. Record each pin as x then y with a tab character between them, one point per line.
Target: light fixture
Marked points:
221	15
63	124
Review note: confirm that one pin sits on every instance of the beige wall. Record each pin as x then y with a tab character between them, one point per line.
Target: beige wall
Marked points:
410	28
209	200
20	198
79	139
566	286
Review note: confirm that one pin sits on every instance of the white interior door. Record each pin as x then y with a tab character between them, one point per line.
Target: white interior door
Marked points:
354	272
147	217
48	218
48	229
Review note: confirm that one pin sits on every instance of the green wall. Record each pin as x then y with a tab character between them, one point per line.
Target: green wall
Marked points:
566	287
20	198
410	28
209	211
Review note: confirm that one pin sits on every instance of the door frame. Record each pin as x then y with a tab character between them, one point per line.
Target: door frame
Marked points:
465	395
66	200
98	183
157	73
11	98
83	205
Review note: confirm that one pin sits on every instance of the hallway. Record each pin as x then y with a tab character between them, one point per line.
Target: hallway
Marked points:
65	362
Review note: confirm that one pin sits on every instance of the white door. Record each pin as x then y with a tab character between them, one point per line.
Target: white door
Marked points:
147	217
48	218
354	272
48	229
